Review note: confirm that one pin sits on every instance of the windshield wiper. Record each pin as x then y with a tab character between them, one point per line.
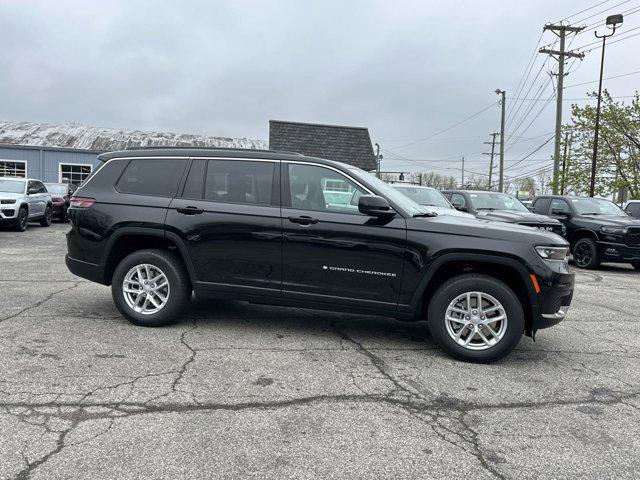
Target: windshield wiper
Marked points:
425	214
592	213
486	208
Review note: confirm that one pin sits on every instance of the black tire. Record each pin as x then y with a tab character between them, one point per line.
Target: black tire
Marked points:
179	284
475	283
46	220
21	221
586	254
636	264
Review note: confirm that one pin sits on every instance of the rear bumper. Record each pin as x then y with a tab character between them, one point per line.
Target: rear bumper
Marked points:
58	210
87	270
618	252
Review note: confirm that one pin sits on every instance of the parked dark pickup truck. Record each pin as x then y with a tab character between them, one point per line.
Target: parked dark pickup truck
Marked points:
501	207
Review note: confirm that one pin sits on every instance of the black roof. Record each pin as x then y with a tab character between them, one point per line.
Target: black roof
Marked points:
351	145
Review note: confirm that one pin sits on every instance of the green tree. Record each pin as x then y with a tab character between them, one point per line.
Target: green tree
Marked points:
618	163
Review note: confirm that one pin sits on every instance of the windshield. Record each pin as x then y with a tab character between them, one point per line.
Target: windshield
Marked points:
597	206
388	191
12	186
56	188
424	196
497	201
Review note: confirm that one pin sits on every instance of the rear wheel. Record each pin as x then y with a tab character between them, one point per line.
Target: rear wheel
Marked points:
151	287
586	254
46	220
20	223
476	318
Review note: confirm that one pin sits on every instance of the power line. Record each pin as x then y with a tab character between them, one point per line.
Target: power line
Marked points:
532	152
448	128
607	78
585	10
601	12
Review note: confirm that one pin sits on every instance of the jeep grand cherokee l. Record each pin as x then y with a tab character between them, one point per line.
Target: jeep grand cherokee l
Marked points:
598	230
261	226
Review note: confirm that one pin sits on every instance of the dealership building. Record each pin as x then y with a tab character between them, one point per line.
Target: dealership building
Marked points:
68	153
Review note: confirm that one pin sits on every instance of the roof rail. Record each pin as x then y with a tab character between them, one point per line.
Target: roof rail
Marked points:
231	149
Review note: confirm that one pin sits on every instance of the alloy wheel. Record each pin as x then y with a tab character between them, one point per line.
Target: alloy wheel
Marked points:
146	289
582	254
476	320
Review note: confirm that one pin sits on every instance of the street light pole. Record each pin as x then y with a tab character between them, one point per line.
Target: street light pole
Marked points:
503	102
612	20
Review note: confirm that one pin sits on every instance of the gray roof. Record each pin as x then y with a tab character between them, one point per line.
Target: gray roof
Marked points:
350	145
101	139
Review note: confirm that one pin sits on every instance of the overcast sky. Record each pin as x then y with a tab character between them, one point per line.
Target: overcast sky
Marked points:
406	70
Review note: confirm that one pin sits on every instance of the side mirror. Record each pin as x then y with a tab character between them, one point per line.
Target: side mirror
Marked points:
459	206
560	213
531	208
32	191
374	206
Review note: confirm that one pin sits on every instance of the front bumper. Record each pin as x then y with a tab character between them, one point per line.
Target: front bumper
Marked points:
618	252
554	299
58	210
8	212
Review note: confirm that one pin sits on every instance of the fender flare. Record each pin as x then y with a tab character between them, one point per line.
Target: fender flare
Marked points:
416	300
152	232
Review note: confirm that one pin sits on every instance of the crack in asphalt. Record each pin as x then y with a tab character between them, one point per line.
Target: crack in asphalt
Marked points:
40	302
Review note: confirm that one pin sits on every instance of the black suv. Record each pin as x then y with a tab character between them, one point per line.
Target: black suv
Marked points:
598	230
285	229
500	207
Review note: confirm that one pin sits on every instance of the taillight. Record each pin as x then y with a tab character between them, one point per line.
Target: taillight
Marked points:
79	202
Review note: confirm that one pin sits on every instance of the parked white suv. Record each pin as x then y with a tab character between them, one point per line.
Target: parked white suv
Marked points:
24	200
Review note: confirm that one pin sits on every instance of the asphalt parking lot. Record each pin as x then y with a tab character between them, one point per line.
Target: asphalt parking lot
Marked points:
238	390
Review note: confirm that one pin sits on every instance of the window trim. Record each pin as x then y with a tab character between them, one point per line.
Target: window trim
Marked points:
24	162
71	164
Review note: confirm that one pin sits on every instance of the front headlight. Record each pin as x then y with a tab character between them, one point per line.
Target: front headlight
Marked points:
553	253
613	230
7	202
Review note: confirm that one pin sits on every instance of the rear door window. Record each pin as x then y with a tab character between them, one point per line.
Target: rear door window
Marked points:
194	186
239	181
157	177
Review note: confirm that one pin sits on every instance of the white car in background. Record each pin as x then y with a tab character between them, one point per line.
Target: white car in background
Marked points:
24	200
431	198
633	208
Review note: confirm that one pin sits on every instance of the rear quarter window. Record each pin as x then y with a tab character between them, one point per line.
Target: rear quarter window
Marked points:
157	177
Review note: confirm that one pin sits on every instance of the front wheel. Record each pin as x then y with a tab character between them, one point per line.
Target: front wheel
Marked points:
46	220
21	221
151	287
586	254
476	318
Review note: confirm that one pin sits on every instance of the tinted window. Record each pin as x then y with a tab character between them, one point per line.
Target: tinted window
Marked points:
557	204
194	186
322	189
541	205
633	209
458	200
157	177
238	181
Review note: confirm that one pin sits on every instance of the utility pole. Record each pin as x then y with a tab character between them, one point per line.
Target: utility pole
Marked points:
462	182
503	102
561	56
378	158
565	161
493	149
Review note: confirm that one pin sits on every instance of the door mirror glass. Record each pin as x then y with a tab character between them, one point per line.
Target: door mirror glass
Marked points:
32	191
374	206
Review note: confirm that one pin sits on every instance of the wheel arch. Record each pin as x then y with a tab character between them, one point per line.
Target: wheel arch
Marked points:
128	240
507	270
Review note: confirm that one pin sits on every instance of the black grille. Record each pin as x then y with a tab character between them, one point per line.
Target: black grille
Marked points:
8	213
633	236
